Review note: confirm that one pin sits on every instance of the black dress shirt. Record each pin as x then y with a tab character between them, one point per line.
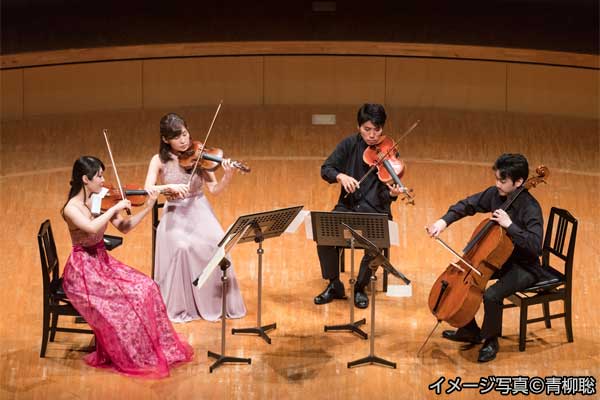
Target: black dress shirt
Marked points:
526	230
373	196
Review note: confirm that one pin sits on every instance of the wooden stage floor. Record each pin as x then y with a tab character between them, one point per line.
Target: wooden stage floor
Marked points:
303	361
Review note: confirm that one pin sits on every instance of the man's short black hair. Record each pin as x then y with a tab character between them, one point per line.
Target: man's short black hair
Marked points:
513	166
371	112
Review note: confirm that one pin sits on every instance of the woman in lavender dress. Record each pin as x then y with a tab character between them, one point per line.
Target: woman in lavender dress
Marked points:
189	232
122	305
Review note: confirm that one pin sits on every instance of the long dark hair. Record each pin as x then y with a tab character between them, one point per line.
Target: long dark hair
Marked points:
84	166
171	126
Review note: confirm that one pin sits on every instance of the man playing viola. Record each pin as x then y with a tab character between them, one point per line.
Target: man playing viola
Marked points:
524	226
346	167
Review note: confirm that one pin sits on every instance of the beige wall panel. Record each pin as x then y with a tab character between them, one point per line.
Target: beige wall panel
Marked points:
83	87
324	80
553	90
11	100
203	81
455	84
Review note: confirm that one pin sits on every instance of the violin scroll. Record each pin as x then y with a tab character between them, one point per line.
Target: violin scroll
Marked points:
408	196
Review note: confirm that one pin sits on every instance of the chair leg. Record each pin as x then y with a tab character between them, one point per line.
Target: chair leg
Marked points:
546	308
45	328
522	327
54	325
568	321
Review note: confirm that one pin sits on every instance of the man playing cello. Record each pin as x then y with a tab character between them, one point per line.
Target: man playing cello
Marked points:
524	226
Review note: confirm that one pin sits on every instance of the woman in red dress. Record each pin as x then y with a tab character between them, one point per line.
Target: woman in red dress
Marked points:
122	305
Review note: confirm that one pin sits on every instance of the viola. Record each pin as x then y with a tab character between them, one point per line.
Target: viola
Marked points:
208	159
385	158
457	294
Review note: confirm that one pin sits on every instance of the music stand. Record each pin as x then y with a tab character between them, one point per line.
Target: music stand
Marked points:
328	230
264	225
220	259
378	260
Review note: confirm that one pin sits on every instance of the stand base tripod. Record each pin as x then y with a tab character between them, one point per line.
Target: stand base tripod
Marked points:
260	331
352	327
221	359
372	360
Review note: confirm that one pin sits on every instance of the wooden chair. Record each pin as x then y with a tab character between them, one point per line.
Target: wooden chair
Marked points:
56	302
55	299
555	285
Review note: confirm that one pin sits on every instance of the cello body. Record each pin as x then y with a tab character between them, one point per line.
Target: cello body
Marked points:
456	295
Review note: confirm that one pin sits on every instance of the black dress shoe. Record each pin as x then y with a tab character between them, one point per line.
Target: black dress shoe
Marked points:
335	290
361	300
461	335
488	350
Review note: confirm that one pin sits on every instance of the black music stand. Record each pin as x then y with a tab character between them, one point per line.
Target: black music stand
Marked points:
328	230
263	226
220	259
378	260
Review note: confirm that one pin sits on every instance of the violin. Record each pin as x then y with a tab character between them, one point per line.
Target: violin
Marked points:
134	193
457	294
208	159
385	158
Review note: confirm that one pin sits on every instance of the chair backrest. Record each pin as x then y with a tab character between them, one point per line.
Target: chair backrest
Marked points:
155	222
48	255
561	225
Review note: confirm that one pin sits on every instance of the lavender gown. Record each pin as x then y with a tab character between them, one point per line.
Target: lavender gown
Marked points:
186	239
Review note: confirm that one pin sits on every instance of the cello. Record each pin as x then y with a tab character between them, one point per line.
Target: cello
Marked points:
457	293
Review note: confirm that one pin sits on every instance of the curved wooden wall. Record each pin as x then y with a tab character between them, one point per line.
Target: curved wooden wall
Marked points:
148	77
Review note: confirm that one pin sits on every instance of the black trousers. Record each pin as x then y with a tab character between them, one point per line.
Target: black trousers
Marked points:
511	279
329	258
